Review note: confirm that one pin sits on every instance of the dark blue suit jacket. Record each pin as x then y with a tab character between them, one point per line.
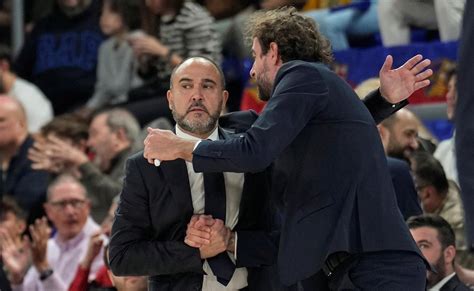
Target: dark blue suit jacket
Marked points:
464	119
407	197
151	220
329	173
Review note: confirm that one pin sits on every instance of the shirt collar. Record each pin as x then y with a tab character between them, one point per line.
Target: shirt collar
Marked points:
441	283
86	231
213	136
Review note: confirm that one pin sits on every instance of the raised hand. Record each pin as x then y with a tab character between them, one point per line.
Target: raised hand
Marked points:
93	249
40	232
16	257
398	84
146	44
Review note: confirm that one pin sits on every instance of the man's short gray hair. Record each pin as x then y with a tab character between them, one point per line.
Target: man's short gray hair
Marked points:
122	119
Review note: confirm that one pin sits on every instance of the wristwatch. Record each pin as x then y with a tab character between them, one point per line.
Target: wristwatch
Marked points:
45	274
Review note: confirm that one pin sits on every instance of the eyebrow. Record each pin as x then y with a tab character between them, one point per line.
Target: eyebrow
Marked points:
424	241
205	80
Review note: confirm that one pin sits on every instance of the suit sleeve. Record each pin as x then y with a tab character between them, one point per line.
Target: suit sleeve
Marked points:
257	248
286	114
379	107
134	249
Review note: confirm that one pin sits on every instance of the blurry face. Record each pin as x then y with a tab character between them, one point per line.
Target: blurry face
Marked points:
11	125
110	22
451	97
102	140
68	209
69	3
260	71
157	7
427	240
196	98
403	137
13	225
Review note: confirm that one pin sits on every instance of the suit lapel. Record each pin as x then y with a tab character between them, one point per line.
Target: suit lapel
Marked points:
176	176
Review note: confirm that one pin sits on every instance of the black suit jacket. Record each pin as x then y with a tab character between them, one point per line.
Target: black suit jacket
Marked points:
454	284
407	197
329	173
464	119
151	220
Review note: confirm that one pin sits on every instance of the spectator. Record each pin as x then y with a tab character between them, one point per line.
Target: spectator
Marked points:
60	54
112	138
358	19
26	185
400	132
445	151
116	70
55	259
37	107
12	226
397	16
441	197
407	198
436	240
185	30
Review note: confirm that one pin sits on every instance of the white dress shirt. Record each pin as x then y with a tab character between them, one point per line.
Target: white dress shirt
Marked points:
234	183
441	283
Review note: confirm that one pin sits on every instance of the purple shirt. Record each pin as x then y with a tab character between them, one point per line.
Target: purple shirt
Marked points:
64	258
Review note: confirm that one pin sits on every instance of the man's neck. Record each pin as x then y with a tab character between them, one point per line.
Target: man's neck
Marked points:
8	81
7	152
197	135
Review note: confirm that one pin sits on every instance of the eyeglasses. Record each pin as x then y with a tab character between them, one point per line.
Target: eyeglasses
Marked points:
62	204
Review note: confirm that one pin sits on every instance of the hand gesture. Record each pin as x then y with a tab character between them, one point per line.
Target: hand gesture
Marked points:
146	44
164	145
93	249
16	257
199	230
40	232
39	156
220	236
398	84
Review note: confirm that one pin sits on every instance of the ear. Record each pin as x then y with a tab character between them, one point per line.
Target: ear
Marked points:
121	135
384	136
48	210
225	97
274	53
449	254
169	96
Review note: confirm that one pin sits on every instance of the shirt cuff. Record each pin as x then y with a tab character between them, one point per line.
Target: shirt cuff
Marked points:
235	246
196	144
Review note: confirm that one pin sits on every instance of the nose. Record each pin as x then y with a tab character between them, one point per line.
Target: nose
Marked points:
414	143
197	93
252	71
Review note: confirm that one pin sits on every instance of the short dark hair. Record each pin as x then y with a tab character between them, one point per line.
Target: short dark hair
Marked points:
297	36
218	68
69	125
5	53
428	170
8	205
129	10
446	234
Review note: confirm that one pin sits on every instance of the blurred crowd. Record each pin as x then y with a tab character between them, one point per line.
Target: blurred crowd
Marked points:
93	75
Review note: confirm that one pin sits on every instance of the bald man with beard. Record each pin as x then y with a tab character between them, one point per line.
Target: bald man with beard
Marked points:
18	179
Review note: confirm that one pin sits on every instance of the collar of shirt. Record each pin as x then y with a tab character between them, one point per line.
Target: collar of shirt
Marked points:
213	136
441	283
87	230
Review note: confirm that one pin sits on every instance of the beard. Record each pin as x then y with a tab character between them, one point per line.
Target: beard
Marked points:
440	268
394	150
198	126
264	85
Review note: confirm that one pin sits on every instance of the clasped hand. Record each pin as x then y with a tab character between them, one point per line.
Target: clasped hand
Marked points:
210	235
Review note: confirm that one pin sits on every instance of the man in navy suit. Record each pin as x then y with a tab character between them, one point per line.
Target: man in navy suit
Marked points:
464	120
156	204
339	212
